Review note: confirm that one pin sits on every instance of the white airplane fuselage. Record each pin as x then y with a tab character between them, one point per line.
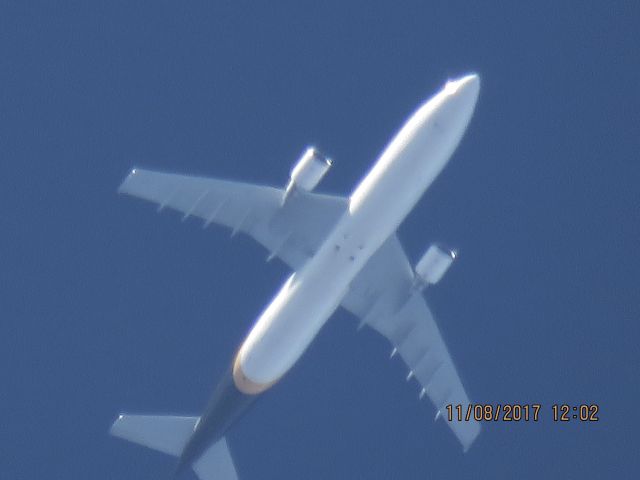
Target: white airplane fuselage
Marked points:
286	328
377	206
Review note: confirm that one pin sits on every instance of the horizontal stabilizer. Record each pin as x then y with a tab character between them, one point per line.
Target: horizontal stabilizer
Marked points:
168	434
216	463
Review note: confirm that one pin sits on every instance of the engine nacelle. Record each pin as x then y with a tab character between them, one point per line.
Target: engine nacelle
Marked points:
433	265
308	172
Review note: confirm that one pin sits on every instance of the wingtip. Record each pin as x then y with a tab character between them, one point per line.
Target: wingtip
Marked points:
470	441
123	186
114	425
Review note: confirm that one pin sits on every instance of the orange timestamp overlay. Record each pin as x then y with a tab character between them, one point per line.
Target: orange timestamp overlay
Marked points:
515	412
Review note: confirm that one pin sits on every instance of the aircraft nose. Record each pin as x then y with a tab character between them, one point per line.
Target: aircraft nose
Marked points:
467	87
461	96
471	79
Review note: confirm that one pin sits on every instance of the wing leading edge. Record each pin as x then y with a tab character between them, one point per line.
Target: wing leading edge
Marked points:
381	295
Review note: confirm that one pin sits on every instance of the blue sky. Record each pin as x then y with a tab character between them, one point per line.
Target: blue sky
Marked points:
108	306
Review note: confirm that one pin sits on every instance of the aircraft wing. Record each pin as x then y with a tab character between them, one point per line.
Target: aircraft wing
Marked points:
382	297
292	232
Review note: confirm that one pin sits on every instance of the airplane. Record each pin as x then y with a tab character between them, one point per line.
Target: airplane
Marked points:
343	252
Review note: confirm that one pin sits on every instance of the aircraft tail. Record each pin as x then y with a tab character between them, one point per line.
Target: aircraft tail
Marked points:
170	434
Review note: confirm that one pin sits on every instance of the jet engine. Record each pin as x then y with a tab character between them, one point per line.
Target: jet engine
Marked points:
307	172
433	265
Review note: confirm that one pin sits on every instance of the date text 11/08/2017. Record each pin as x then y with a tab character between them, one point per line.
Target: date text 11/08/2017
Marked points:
514	412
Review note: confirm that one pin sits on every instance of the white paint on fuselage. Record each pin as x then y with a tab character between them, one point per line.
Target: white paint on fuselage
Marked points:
378	205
